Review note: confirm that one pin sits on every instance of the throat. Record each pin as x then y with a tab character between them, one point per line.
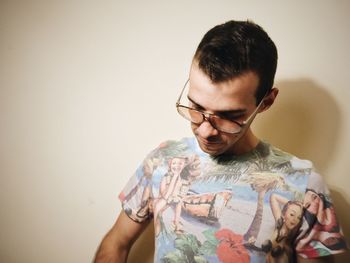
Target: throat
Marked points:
245	144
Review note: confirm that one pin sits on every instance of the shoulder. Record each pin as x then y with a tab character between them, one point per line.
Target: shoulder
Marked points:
175	147
169	149
280	158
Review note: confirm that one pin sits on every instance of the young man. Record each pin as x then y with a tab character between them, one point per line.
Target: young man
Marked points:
225	195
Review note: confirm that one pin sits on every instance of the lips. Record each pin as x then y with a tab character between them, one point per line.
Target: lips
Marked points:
209	146
208	143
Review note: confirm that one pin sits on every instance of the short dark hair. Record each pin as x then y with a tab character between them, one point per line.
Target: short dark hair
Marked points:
236	47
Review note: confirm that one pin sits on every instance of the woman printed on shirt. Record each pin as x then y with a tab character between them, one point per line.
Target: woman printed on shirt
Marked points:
173	187
323	224
288	221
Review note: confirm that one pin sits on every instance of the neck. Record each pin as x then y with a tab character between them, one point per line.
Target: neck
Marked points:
246	143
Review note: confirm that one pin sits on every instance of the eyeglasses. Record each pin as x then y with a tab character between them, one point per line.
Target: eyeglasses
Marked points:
219	123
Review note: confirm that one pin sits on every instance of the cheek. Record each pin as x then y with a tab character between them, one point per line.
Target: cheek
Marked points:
287	218
307	201
194	126
181	165
229	138
313	207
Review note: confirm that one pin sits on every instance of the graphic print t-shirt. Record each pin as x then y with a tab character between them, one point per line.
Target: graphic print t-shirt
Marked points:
265	205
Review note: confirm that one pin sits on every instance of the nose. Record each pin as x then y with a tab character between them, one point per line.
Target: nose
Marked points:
206	130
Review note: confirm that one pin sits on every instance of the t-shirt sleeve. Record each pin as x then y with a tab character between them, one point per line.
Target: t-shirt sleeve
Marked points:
137	197
320	234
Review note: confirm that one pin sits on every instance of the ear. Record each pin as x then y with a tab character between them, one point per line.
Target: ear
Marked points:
269	99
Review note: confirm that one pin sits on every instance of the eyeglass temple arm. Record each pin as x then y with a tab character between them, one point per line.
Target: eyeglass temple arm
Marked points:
182	91
257	108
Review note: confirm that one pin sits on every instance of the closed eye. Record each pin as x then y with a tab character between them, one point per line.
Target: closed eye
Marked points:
232	115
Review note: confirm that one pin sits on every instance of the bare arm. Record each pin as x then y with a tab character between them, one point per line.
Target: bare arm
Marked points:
116	244
171	187
275	202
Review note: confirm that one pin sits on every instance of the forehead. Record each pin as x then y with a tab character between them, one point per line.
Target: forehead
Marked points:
311	194
236	93
295	208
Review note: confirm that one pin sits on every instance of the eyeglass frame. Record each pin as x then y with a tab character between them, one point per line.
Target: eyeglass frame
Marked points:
207	115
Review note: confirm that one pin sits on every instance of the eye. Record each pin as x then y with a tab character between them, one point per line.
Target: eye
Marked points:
195	106
230	118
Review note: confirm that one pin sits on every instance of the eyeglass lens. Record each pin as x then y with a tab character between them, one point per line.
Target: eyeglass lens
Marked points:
218	123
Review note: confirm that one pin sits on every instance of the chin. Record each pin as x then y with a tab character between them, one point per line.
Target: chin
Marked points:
212	152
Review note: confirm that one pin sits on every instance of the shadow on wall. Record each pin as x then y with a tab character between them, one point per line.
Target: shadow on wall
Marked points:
305	121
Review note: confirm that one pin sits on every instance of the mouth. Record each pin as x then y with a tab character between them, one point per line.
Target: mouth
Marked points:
211	146
208	142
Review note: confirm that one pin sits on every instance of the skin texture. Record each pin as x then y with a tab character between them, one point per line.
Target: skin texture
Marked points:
238	95
289	219
235	98
293	216
176	166
116	245
312	201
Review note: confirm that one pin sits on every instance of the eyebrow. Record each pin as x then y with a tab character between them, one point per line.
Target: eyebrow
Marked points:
228	112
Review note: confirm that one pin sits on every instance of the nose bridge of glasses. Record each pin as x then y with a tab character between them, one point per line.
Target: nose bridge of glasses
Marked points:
207	116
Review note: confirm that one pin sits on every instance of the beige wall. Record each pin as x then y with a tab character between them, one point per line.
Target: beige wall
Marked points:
87	88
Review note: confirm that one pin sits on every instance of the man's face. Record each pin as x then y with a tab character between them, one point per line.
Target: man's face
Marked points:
234	99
